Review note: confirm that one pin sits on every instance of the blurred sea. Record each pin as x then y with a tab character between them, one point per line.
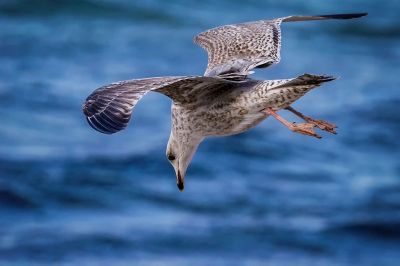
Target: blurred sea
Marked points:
72	196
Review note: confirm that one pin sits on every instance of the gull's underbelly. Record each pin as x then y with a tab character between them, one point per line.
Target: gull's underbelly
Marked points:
209	122
232	115
244	123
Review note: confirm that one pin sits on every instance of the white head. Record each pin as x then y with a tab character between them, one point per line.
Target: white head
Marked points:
180	150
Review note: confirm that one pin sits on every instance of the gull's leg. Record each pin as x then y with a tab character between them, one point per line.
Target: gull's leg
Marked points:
321	124
302	128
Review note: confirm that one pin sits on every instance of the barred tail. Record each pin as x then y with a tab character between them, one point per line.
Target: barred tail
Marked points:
291	90
307	80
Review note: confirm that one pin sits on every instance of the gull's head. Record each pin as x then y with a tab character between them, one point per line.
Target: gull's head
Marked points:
180	151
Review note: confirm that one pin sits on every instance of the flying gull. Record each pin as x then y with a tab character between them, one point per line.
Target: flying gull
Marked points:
225	101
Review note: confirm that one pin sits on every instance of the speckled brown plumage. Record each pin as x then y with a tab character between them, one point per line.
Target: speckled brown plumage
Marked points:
234	50
225	100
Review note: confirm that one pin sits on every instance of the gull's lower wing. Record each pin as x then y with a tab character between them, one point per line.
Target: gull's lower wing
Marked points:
234	50
109	108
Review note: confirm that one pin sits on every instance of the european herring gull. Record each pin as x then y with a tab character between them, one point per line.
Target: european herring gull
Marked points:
225	101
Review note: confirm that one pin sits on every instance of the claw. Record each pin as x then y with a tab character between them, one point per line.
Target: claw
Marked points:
323	125
305	129
302	128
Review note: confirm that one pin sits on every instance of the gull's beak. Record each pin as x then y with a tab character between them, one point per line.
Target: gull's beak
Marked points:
180	181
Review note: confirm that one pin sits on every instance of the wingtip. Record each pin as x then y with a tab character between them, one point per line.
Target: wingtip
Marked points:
97	122
362	14
324	17
97	126
345	16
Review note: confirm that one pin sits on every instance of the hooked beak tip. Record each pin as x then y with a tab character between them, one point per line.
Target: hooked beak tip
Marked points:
181	187
180	182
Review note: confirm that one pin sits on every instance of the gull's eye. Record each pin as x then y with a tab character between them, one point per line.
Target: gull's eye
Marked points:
171	157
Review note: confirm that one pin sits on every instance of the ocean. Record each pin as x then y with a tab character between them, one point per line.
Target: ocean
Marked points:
72	196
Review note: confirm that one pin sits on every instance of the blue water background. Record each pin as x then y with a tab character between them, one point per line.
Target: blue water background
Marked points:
72	196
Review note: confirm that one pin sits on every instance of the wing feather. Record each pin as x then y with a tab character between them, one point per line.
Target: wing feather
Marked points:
234	50
237	49
109	108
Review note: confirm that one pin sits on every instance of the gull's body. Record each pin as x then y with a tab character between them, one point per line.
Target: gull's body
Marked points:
224	101
238	106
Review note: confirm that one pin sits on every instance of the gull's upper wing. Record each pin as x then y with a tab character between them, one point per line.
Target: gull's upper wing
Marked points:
109	108
234	50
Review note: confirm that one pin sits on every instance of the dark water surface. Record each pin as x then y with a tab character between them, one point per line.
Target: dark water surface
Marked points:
72	196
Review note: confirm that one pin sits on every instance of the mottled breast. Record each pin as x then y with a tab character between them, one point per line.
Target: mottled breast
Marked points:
216	119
